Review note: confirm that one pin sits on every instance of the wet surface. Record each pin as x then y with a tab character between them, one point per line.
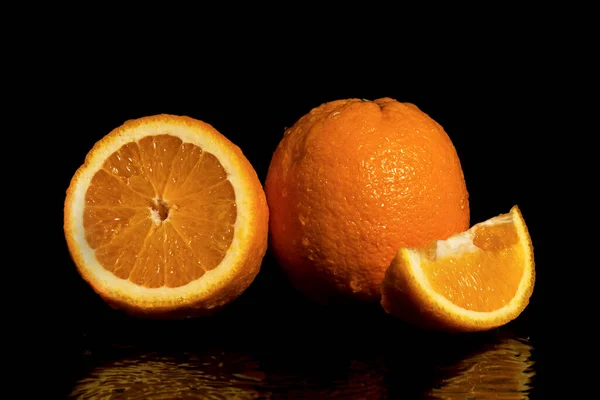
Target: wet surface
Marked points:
501	369
280	346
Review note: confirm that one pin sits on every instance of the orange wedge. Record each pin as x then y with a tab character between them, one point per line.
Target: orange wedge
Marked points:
166	218
475	280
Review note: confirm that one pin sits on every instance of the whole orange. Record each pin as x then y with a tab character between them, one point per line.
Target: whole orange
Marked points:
349	184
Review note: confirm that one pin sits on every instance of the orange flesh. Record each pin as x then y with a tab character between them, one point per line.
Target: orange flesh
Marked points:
481	280
160	212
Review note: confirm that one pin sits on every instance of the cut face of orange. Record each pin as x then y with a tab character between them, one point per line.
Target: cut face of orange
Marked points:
476	280
166	218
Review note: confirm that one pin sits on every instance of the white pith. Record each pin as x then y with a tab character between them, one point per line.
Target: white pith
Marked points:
463	242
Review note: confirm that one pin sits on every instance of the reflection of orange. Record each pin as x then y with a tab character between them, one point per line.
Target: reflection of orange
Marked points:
351	182
501	371
154	376
166	217
224	375
475	280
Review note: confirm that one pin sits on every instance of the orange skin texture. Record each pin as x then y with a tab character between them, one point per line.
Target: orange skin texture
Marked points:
350	183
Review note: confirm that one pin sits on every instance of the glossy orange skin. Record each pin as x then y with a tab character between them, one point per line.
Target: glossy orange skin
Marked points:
350	183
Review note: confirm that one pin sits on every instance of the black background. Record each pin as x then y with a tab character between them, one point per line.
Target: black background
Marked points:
491	101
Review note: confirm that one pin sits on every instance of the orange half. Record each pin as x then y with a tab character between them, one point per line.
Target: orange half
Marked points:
475	280
166	217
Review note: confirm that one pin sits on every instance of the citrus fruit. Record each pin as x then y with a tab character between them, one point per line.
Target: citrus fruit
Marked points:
475	280
166	218
352	181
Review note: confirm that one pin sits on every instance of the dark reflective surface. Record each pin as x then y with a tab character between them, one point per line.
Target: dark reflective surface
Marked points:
279	346
500	370
503	369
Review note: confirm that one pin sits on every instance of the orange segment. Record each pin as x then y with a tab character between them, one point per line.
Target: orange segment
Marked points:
475	280
184	265
187	159
126	164
185	181
166	202
157	154
480	280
